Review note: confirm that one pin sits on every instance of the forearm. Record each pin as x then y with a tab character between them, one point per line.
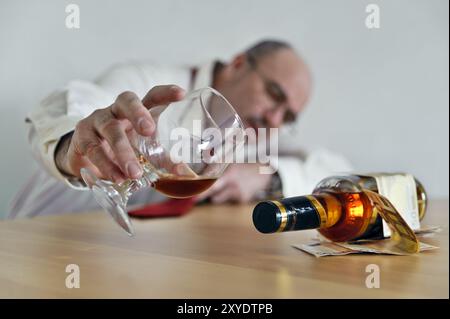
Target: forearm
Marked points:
61	152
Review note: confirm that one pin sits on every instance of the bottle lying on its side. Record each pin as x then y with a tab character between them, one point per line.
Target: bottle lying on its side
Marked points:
340	209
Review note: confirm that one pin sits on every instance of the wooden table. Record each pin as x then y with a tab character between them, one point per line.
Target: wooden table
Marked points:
213	252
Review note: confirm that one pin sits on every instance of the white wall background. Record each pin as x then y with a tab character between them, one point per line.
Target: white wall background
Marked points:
381	96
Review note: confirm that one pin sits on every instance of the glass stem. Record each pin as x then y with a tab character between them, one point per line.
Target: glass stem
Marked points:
130	186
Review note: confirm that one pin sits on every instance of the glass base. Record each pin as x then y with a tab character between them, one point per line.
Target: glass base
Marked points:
109	198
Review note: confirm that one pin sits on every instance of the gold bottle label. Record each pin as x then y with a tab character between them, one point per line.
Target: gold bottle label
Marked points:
400	189
402	238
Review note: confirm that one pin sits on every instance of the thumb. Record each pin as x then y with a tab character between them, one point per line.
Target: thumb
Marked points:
163	94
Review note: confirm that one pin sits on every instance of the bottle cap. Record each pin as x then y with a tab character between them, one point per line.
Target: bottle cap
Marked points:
267	217
294	213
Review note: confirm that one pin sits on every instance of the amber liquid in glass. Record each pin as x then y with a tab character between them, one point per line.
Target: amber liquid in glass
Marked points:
179	186
182	187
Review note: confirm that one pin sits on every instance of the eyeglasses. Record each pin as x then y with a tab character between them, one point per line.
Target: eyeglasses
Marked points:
275	92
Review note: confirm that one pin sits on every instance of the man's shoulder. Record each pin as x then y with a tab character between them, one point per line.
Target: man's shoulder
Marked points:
139	76
149	67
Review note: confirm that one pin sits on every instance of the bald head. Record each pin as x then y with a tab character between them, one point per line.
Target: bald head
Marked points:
269	84
264	48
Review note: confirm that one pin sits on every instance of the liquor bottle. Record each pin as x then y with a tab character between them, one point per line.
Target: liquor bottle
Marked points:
340	209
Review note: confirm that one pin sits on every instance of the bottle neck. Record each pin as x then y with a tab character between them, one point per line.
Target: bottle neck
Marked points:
311	212
297	213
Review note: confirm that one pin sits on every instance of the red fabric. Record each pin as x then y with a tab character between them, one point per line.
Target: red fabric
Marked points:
170	207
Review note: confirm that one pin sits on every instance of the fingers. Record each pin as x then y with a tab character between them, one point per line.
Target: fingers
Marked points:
88	144
128	106
102	137
214	189
228	194
163	94
107	168
225	195
113	131
222	191
202	196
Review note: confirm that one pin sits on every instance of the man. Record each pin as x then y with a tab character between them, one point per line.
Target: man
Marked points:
85	124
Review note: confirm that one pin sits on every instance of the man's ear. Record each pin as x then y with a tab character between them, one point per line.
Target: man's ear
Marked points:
239	61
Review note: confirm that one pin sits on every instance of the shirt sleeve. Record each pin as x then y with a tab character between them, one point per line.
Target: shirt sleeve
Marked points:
59	113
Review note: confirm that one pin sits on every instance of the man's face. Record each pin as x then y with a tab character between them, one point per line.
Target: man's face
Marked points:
270	93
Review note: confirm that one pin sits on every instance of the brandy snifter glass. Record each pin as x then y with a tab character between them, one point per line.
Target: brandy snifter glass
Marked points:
182	158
